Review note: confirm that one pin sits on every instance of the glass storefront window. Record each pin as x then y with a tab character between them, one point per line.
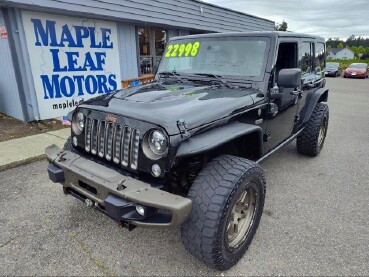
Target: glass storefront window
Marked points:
151	44
160	42
144	42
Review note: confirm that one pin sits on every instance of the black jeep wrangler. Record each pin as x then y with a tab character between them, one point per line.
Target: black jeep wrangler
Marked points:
185	149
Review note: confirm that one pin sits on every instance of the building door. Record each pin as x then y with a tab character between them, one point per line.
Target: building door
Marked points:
151	44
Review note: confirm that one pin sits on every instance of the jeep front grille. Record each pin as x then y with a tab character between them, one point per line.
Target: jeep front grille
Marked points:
112	141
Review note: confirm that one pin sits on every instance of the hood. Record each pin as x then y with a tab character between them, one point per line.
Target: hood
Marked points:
163	105
332	68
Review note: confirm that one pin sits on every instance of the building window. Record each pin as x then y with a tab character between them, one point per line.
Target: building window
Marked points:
151	43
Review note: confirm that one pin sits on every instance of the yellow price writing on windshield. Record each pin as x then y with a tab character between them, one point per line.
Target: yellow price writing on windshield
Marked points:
183	50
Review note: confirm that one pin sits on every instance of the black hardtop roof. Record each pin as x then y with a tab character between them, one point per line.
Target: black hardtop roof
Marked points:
275	34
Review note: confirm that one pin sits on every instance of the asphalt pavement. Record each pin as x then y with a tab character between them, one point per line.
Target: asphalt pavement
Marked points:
315	222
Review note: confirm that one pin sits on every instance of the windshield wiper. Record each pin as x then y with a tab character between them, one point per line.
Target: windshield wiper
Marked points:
218	77
173	73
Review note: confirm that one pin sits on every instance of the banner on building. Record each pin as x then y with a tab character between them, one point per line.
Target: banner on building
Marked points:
72	59
3	32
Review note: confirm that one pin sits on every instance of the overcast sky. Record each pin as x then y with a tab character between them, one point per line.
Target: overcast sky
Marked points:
327	18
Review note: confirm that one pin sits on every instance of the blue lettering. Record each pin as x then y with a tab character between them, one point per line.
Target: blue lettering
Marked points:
55	56
72	61
55	87
51	89
101	83
89	62
93	38
91	84
67	87
100	60
106	38
79	80
67	37
81	33
44	34
113	82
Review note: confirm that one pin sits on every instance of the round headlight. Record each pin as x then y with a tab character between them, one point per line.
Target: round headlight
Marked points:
158	142
78	123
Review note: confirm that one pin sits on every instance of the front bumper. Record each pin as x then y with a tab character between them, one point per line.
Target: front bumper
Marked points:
355	75
114	193
331	73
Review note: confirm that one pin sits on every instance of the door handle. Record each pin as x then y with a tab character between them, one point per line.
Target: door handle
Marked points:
297	92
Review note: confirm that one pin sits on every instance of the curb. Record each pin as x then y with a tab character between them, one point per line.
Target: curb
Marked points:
22	162
29	149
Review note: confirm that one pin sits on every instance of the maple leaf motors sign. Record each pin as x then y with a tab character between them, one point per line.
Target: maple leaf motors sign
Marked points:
72	59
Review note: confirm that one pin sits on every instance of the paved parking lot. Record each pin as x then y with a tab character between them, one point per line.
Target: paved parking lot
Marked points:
316	218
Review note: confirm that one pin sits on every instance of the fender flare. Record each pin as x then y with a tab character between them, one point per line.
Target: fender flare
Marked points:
320	95
215	137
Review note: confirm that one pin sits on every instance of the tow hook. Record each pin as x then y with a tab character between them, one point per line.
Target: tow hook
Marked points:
89	203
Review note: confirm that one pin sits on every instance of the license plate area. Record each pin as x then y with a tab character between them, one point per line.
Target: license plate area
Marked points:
87	187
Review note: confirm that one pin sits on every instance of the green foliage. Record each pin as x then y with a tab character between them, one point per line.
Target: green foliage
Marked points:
351	41
359	45
282	27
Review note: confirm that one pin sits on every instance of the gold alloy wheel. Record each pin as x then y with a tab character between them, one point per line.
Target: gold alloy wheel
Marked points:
241	217
322	131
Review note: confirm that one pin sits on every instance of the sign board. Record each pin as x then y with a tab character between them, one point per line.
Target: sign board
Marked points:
72	59
3	32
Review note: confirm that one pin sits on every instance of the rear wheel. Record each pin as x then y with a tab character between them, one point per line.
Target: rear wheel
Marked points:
310	142
227	203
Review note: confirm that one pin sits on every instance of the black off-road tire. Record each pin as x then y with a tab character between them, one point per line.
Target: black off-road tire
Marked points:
309	142
214	193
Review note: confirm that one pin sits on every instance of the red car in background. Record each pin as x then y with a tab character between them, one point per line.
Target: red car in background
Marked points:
357	70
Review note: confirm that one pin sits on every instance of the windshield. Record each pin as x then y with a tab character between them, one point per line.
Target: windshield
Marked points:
231	57
332	65
358	65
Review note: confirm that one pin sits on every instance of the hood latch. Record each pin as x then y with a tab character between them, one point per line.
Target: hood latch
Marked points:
182	127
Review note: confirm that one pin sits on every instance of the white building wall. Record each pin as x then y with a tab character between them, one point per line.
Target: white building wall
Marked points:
344	54
10	103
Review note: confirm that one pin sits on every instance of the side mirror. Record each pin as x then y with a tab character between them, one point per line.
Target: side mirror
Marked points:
289	78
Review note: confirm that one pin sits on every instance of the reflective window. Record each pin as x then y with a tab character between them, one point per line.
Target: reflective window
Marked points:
319	56
160	42
151	43
226	56
306	54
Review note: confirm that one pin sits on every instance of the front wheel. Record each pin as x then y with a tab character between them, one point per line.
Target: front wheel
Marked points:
310	142
227	204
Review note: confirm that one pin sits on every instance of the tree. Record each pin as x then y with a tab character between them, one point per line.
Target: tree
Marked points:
340	46
360	50
282	27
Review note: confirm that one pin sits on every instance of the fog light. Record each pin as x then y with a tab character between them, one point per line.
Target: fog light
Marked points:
140	209
156	170
75	141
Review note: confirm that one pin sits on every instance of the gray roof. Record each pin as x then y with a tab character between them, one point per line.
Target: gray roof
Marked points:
170	14
260	33
336	50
